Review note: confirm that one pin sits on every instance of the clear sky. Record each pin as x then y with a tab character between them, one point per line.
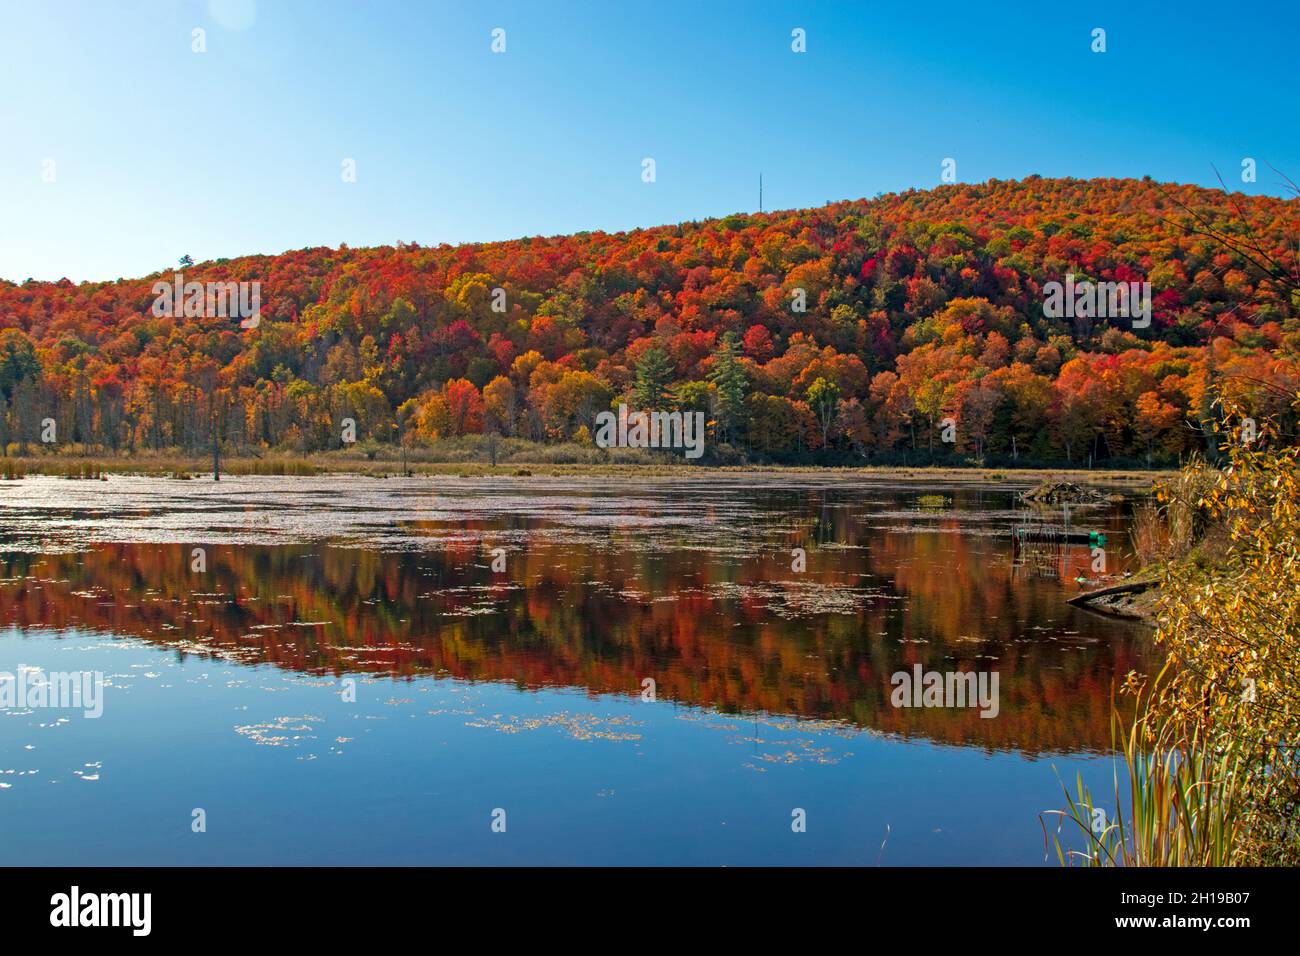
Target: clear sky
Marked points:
159	151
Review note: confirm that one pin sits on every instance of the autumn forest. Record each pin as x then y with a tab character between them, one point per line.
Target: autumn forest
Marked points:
841	334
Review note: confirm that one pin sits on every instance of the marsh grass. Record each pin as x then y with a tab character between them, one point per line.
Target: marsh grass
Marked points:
278	467
933	502
1183	803
575	461
76	470
1151	539
1172	526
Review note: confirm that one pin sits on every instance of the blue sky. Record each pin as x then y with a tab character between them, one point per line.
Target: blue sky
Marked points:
159	151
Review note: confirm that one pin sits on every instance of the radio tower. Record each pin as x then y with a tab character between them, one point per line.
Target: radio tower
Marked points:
760	192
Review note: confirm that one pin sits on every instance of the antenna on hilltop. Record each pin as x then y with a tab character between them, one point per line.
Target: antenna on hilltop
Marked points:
760	192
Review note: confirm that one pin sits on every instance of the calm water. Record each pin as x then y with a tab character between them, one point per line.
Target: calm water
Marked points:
351	681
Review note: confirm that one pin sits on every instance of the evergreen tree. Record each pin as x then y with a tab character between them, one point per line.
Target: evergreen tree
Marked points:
654	377
729	378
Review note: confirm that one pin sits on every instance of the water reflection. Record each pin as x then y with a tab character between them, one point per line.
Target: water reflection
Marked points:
601	591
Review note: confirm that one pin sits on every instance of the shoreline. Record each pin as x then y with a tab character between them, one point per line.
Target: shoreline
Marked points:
90	466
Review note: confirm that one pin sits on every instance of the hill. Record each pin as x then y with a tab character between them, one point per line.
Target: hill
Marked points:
862	329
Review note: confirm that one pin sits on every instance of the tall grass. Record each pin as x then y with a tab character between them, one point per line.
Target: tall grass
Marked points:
12	468
1169	528
84	470
1151	538
270	466
1185	801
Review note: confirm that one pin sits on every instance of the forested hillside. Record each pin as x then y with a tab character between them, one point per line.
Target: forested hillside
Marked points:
918	307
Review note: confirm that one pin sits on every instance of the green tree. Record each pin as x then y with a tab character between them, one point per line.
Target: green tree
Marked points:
732	384
824	397
17	361
654	376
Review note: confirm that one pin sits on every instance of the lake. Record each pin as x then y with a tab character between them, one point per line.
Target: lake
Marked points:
531	670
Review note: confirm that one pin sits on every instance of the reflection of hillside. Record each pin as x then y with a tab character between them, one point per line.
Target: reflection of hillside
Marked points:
739	636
